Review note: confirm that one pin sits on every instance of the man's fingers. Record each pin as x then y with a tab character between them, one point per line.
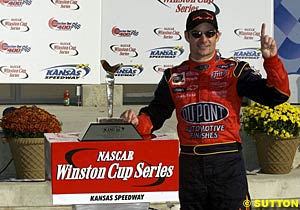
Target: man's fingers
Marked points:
268	43
130	116
265	42
125	115
135	121
273	44
262	31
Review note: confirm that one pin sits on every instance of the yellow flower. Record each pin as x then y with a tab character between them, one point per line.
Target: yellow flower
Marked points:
281	121
284	118
263	114
274	116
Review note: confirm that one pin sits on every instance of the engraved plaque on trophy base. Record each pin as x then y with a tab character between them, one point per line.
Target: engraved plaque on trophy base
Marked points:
109	129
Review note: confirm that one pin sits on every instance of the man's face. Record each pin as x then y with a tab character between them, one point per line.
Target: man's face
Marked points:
202	40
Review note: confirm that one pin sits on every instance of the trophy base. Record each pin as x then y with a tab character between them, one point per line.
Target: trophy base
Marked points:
109	129
114	120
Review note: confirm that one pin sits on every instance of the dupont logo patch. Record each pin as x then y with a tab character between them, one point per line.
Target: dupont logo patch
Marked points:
204	112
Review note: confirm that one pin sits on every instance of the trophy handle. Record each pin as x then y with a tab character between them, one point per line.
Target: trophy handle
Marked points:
110	69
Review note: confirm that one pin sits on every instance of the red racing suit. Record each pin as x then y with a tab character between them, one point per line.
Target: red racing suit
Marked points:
207	98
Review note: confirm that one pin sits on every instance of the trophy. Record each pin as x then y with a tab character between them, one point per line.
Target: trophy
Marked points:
110	82
110	128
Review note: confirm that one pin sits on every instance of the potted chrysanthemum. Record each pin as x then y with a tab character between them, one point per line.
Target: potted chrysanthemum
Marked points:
24	129
276	132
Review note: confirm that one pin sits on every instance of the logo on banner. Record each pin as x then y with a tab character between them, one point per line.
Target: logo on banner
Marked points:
15	3
188	5
13	49
120	171
67	72
14	72
72	5
124	50
64	48
114	168
248	34
247	53
130	70
123	32
162	68
166	52
168	33
15	24
63	26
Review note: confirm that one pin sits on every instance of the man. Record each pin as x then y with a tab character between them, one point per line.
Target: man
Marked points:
206	91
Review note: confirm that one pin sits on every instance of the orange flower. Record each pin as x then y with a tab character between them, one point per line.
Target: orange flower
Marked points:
29	122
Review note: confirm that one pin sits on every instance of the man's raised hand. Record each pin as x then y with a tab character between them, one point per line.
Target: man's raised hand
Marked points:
268	44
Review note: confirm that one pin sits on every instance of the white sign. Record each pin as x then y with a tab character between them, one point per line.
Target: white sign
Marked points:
147	36
50	41
63	41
